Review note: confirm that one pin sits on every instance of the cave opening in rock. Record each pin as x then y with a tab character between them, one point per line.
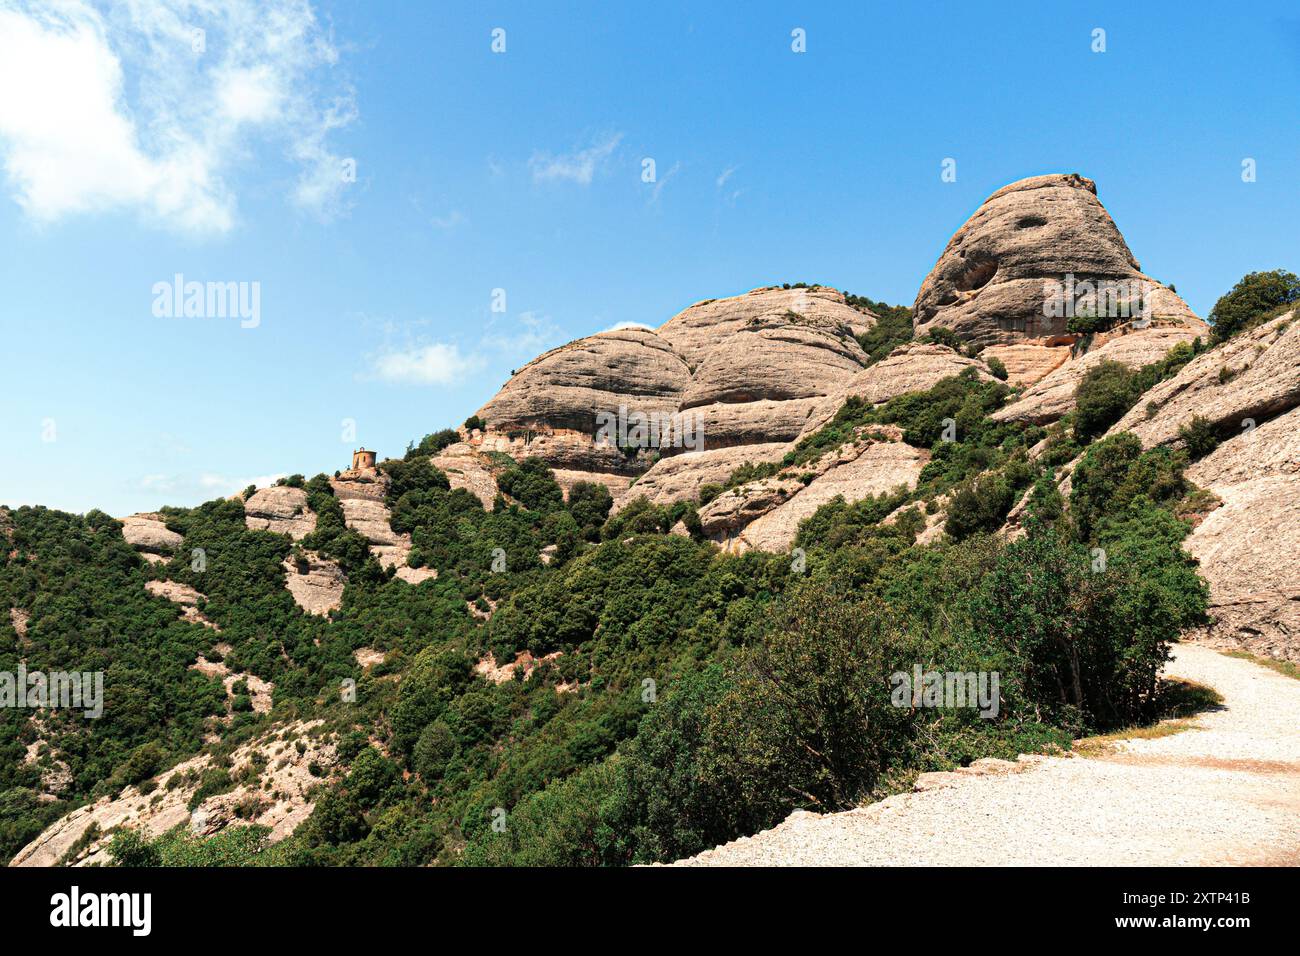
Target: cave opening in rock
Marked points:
1030	222
977	273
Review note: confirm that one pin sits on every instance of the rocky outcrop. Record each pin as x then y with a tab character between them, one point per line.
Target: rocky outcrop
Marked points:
524	661
361	495
466	467
696	331
1248	379
766	513
280	509
1248	390
278	791
680	477
1052	395
317	586
566	387
914	367
185	596
149	534
991	284
725	373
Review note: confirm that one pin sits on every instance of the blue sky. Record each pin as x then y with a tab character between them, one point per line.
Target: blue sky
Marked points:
129	156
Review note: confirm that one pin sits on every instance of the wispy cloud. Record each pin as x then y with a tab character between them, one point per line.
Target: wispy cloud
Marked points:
525	336
438	363
725	175
409	358
449	221
662	181
153	105
579	166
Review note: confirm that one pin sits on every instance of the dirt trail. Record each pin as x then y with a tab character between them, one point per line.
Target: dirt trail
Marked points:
1224	793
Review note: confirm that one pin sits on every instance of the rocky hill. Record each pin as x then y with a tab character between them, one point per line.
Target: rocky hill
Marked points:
505	603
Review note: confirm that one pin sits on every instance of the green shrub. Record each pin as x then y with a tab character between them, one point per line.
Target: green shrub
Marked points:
1104	394
532	484
1198	437
1256	297
979	505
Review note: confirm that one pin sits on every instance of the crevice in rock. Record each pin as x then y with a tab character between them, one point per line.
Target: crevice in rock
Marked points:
976	273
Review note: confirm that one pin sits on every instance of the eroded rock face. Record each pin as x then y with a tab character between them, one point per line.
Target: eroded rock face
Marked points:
1255	376
766	513
726	373
278	793
361	495
914	367
148	534
185	596
1052	395
566	387
280	509
697	330
1248	389
318	587
465	467
1247	546
990	284
681	476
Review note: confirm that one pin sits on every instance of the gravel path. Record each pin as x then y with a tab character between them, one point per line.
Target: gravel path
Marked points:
1224	793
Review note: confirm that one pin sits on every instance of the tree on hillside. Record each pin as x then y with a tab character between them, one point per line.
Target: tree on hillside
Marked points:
1257	296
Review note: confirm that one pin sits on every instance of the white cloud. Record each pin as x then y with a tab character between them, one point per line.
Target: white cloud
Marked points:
620	326
108	105
726	174
437	364
579	166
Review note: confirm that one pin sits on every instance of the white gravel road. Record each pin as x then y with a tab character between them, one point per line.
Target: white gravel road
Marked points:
1224	793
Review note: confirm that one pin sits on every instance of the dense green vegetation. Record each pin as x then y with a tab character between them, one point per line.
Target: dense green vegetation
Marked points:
1109	389
667	696
1257	297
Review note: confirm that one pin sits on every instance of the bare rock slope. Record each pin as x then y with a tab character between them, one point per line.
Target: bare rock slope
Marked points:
745	372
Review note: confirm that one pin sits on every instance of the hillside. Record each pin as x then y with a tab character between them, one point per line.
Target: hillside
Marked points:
651	597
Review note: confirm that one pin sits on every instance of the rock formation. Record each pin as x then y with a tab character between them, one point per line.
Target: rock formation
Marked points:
278	791
995	285
280	509
766	513
185	596
317	586
744	372
1248	390
149	534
